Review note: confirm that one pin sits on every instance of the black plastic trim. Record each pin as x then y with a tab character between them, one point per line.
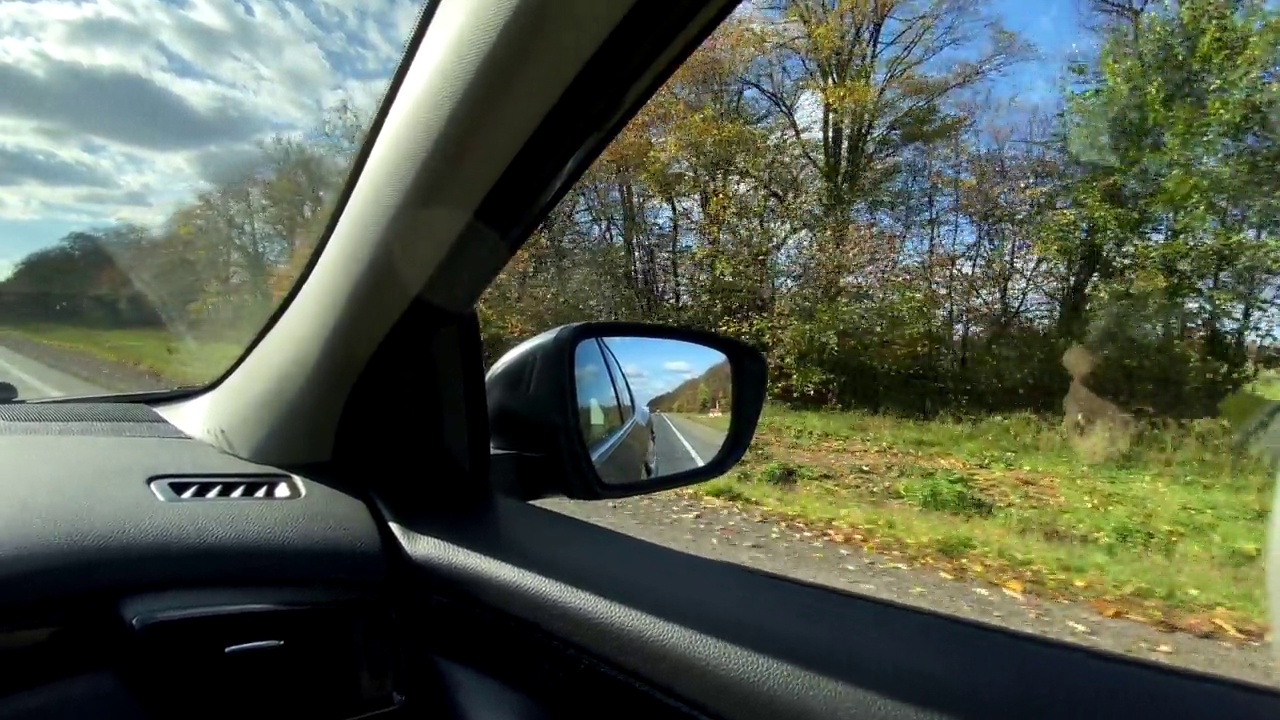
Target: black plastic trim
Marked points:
595	107
741	643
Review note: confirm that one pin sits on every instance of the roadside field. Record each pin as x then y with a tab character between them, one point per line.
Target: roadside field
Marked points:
1169	533
155	351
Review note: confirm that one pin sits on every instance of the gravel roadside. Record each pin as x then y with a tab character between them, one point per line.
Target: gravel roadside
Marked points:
723	532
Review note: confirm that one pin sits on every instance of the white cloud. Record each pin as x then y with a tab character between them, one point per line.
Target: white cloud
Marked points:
677	366
114	109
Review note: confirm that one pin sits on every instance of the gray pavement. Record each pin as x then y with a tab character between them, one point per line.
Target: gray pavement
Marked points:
36	380
684	444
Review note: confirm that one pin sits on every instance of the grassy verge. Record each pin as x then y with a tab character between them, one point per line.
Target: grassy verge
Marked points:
1169	533
153	350
716	423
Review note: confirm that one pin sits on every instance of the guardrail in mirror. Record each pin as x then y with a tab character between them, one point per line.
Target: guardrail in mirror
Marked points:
651	407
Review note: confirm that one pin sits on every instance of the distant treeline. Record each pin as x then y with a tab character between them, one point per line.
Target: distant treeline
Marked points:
217	264
894	236
712	389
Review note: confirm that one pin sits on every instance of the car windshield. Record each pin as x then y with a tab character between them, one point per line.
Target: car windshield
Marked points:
166	171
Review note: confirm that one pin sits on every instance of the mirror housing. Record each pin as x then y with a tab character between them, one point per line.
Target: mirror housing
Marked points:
536	445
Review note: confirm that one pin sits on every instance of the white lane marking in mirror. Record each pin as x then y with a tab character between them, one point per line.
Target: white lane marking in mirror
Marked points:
692	453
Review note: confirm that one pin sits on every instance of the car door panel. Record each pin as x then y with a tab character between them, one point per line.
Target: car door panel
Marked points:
739	643
609	446
632	447
637	431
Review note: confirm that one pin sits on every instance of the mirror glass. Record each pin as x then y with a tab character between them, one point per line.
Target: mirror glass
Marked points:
650	407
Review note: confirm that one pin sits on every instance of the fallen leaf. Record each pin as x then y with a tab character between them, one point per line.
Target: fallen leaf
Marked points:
1106	609
1228	628
946	575
1014	585
1166	649
983	592
1013	594
1077	627
1200	627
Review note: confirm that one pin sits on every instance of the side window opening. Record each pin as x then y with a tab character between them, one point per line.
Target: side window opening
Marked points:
1019	352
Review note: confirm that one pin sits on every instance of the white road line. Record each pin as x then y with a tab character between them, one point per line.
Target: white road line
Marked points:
692	453
15	373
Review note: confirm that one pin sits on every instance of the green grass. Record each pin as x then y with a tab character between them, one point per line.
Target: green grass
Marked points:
1169	531
156	351
1267	385
720	422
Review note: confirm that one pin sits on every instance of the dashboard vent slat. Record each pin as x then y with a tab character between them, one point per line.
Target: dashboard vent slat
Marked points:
197	489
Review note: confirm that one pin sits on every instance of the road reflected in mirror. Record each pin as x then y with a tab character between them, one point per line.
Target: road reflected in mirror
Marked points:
651	407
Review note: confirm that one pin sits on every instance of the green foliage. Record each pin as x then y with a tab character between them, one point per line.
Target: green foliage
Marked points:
947	491
895	240
714	387
941	267
215	268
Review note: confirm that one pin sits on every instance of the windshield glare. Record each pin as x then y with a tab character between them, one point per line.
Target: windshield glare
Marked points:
166	170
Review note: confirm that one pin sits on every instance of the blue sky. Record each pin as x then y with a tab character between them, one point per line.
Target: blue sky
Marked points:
656	366
118	110
1055	28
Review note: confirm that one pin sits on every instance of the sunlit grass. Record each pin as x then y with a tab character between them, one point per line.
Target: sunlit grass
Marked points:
720	422
182	361
1169	529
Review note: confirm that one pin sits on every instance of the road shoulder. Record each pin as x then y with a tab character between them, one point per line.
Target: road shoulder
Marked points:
112	377
723	532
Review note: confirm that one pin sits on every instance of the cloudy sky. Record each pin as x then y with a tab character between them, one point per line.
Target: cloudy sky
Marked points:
657	366
117	109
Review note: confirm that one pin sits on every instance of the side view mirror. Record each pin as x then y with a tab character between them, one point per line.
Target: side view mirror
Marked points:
608	410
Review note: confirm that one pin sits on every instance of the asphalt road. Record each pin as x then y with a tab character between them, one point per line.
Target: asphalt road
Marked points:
683	444
37	380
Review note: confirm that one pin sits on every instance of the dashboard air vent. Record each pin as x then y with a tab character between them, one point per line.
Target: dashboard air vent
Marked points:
192	489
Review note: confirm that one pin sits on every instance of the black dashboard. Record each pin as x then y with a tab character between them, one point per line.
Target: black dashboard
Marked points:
147	574
79	513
